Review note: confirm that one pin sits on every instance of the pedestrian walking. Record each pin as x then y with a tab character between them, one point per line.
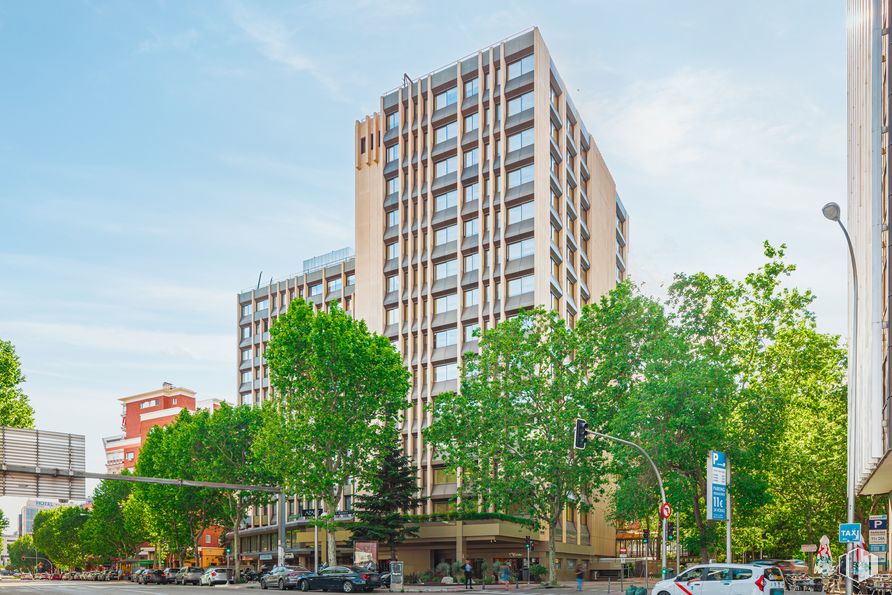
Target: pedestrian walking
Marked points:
468	572
579	576
506	576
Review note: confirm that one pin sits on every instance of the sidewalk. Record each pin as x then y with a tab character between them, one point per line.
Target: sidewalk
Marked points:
601	587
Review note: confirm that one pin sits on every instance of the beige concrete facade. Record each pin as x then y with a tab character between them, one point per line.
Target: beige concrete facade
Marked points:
479	191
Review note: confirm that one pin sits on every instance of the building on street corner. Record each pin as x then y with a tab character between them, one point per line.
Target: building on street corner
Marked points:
479	192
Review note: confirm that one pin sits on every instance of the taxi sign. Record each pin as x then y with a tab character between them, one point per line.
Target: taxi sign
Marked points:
850	533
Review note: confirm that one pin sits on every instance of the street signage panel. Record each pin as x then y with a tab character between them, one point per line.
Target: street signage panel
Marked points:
809	548
265	557
717	486
878	522
665	510
877	537
850	533
878	547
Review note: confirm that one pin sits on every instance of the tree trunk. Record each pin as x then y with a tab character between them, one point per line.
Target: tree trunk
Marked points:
235	543
331	552
701	527
552	578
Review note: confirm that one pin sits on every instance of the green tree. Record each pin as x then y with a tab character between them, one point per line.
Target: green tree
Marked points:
4	522
15	410
178	514
338	390
58	533
22	553
229	456
392	492
507	432
107	533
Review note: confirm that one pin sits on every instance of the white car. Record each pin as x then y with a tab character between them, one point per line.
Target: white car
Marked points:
724	579
216	575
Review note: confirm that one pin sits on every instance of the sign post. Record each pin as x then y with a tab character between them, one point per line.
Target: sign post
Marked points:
877	536
718	497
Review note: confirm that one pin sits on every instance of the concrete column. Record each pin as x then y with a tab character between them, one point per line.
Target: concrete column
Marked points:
459	541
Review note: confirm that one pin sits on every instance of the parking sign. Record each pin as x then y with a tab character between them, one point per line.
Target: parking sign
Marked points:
717	486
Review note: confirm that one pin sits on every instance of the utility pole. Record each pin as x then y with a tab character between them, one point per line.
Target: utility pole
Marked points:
728	555
677	543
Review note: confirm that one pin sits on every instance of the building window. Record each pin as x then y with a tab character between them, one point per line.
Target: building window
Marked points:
446	303
445	269
521	249
207	538
521	285
446	98
472	122
246	377
351	279
446	201
472	261
393	283
316	290
392	251
471	297
472	87
444	133
147	404
393	217
471	227
470	329
263	305
445	338
443	476
445	372
335	285
520	104
446	166
393	185
520	176
393	120
362	145
130	456
393	316
246	332
521	67
472	192
247	310
393	152
471	157
446	234
522	139
246	355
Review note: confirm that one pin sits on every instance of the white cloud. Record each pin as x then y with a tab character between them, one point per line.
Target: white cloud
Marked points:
277	43
199	347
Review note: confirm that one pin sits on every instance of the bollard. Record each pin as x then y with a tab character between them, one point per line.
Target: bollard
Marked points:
609	580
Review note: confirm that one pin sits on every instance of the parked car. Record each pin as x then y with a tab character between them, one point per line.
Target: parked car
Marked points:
217	575
283	577
113	575
724	579
341	578
155	577
169	574
188	575
137	574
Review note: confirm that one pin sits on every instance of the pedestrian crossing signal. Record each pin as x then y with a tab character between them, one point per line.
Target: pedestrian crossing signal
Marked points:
670	531
645	537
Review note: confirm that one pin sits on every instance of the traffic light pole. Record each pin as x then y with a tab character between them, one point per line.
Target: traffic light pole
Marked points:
659	482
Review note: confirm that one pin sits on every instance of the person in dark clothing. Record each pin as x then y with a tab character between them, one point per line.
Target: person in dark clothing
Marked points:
469	570
579	576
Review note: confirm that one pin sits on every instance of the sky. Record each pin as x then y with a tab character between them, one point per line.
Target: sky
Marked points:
156	156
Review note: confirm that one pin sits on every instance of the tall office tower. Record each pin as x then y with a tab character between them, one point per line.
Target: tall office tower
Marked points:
479	191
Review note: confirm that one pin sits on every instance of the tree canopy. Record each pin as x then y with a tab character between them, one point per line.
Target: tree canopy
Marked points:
15	410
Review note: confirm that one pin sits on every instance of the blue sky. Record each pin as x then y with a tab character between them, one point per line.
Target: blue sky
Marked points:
155	156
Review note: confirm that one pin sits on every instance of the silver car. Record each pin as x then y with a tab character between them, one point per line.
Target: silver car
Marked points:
188	575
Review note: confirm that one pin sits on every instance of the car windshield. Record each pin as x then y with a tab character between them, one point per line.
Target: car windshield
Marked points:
693	573
774	574
297	569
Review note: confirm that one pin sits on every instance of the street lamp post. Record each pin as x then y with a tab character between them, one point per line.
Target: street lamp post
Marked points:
832	212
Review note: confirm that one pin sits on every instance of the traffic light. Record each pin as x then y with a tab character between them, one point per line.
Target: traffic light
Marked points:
670	531
528	543
645	536
228	549
580	437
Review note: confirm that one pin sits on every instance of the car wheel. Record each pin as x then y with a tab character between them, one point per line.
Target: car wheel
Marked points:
281	585
304	586
347	587
263	585
663	593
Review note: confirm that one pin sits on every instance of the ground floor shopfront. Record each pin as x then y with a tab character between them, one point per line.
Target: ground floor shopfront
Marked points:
481	541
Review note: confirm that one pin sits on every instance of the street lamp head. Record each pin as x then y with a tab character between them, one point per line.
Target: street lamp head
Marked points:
831	211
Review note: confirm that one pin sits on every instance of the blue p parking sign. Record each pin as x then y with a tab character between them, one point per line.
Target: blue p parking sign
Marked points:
850	533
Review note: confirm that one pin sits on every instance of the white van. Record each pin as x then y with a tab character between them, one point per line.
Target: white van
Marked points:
724	579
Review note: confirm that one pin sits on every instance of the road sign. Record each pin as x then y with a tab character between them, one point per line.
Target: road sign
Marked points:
623	551
878	547
717	486
665	510
850	533
809	548
877	537
878	522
